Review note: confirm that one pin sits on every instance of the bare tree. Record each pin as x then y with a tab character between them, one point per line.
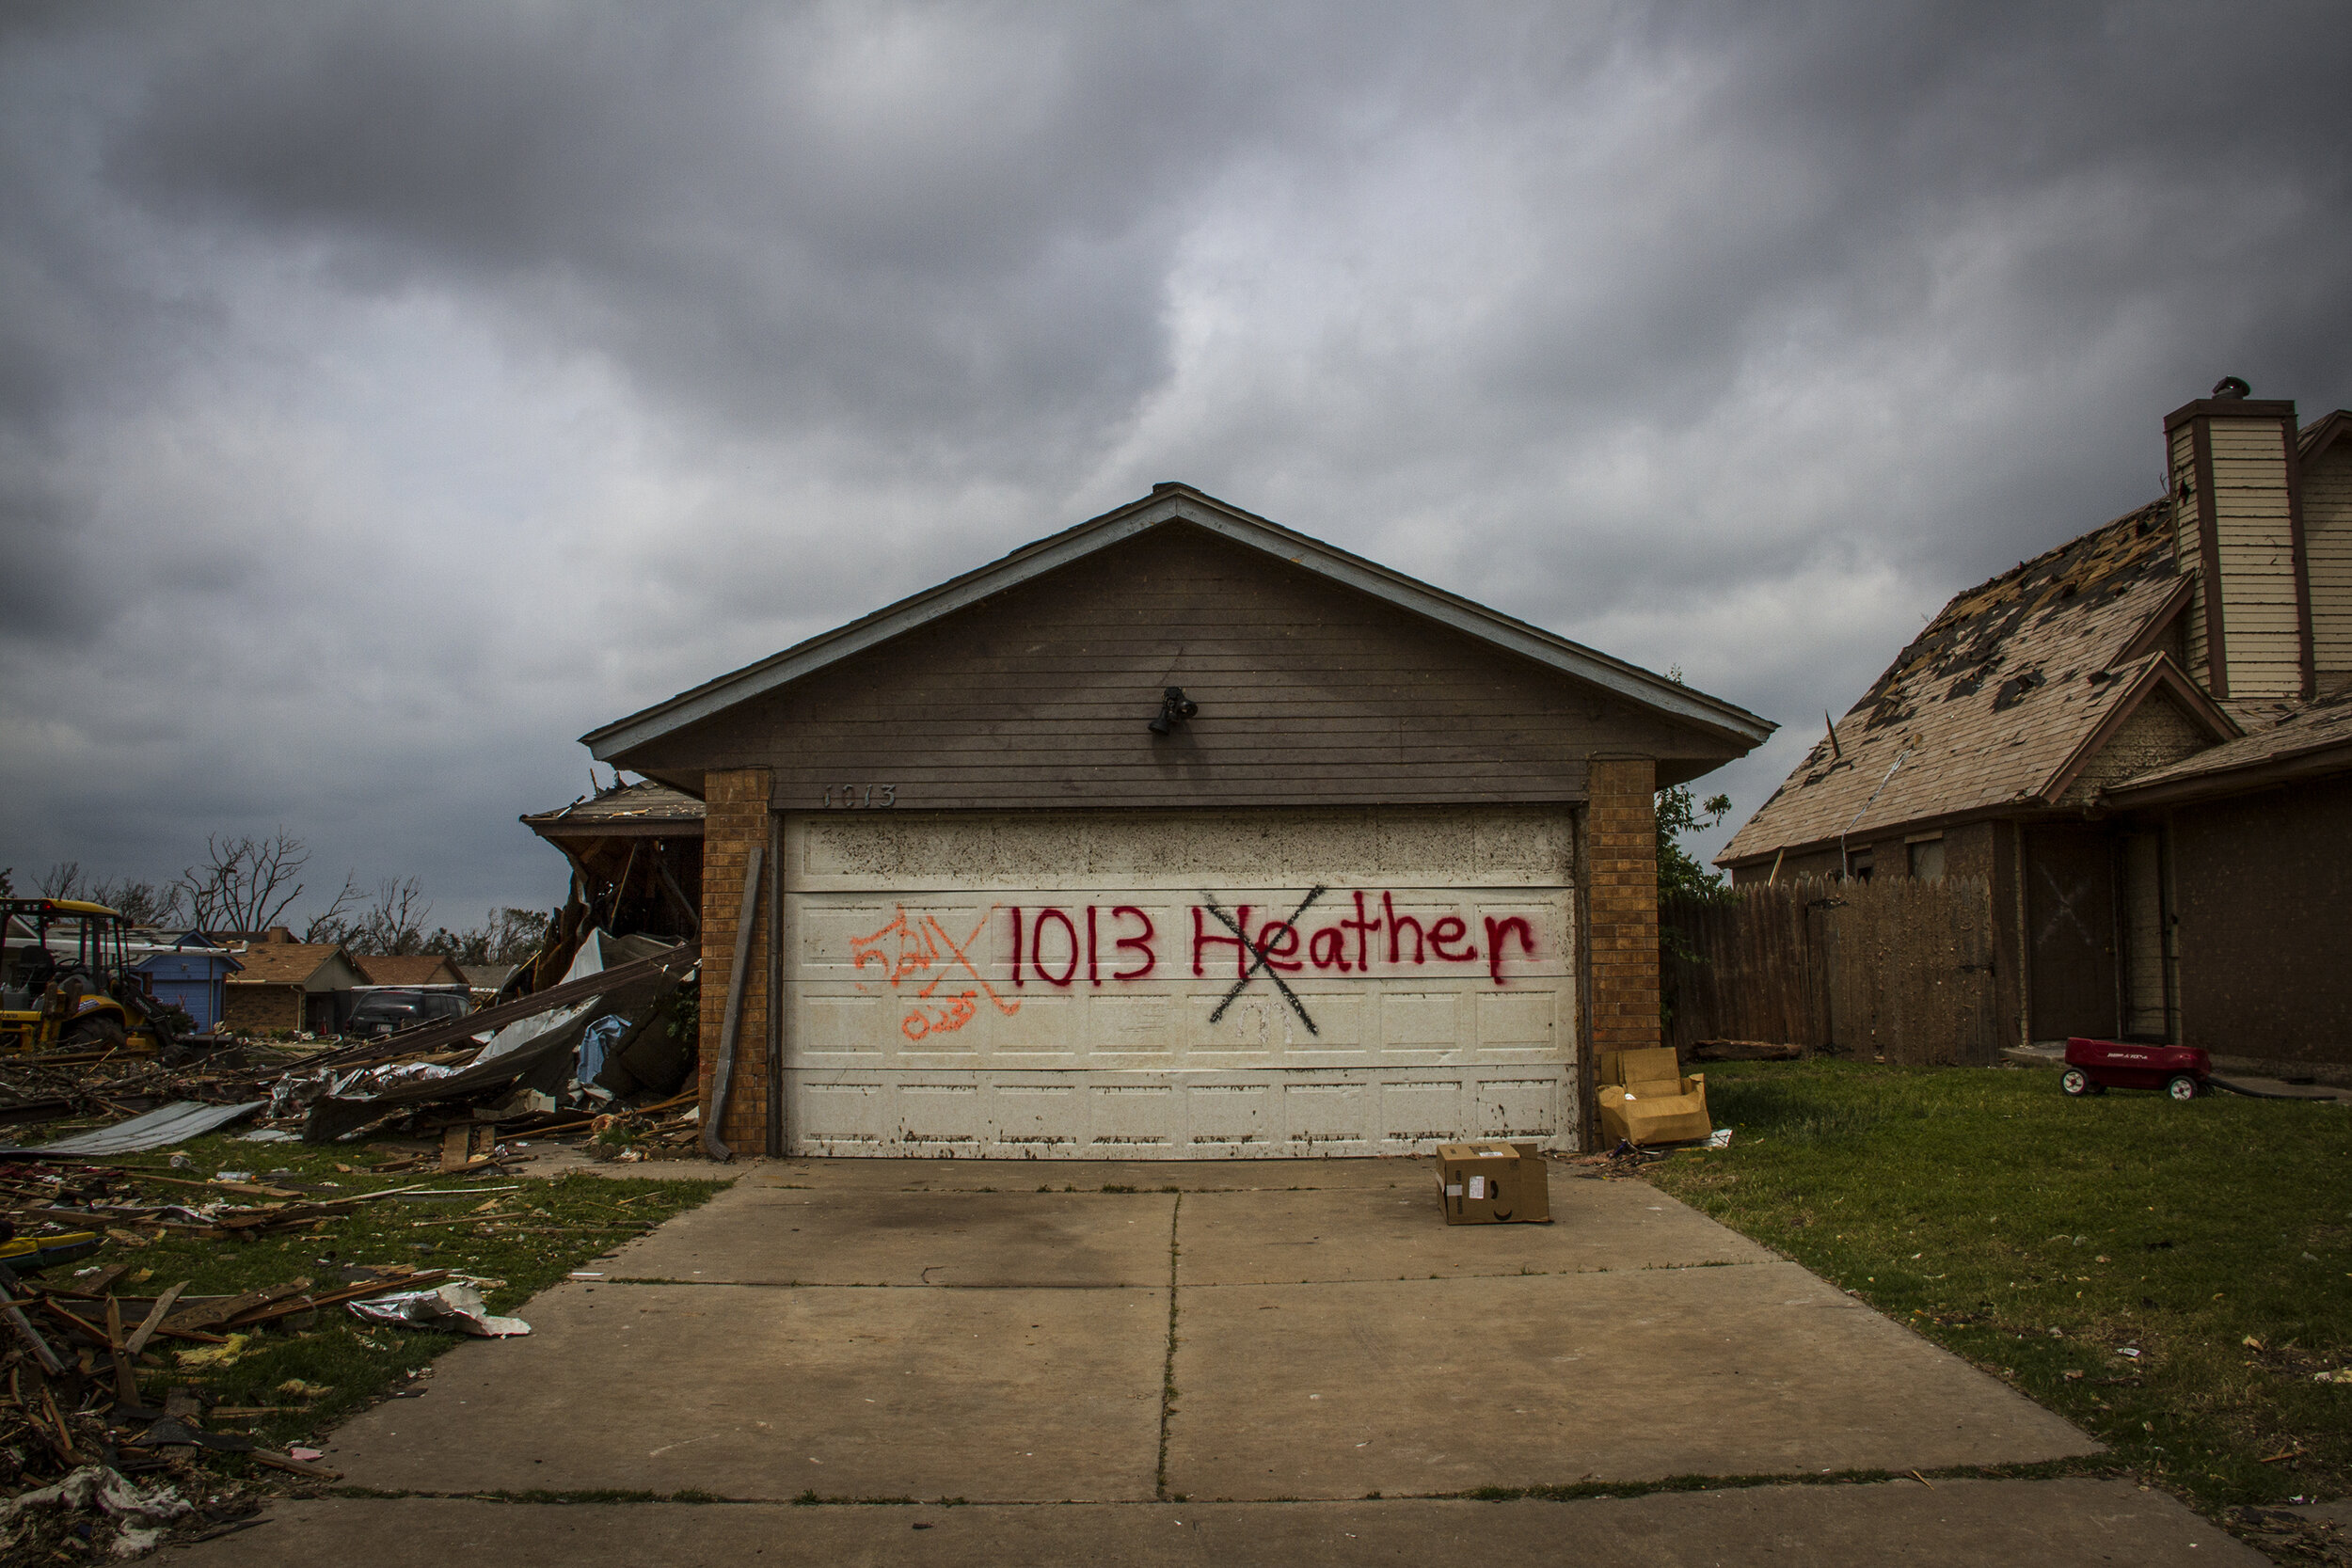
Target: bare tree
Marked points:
393	924
508	937
141	902
245	883
335	924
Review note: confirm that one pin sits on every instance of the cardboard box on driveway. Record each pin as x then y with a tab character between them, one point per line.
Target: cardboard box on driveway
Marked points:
1493	1182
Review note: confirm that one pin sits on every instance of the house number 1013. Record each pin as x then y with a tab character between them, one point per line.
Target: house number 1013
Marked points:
851	798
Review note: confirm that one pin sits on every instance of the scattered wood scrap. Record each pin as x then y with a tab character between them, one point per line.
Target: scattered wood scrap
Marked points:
1743	1051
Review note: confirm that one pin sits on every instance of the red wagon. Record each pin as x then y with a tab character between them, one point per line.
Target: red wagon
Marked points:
2094	1067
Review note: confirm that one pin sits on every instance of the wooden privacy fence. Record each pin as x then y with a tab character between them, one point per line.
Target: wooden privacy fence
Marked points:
1898	969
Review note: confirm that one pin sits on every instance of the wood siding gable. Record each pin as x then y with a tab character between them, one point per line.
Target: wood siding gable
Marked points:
1310	692
1181	504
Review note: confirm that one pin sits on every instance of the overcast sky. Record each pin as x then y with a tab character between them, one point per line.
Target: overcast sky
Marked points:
383	386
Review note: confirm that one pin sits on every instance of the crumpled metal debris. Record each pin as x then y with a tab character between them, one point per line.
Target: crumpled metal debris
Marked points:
523	1031
455	1307
375	1080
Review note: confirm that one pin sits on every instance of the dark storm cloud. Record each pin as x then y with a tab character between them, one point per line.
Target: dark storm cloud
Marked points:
378	385
844	216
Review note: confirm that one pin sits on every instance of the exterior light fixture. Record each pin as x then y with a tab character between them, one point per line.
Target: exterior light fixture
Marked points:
1175	707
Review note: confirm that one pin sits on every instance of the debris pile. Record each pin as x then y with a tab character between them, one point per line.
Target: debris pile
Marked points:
2289	1536
607	1035
615	1038
108	1441
668	1130
103	1452
76	1086
106	1434
94	1497
1626	1159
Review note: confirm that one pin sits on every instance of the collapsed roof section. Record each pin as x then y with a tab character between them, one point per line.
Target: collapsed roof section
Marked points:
644	809
637	863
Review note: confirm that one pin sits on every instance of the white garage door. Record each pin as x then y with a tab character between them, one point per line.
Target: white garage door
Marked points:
1178	985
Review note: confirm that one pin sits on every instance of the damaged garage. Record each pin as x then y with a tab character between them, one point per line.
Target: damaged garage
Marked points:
1175	835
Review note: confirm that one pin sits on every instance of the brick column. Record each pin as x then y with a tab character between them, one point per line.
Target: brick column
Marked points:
1623	896
735	818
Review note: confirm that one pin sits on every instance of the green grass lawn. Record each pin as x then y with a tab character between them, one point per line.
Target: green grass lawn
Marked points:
526	1236
2042	1237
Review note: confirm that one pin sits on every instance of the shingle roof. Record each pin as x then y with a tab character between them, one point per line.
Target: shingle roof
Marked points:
412	968
1993	700
643	801
282	963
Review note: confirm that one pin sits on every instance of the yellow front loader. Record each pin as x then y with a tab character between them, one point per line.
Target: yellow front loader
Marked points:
65	984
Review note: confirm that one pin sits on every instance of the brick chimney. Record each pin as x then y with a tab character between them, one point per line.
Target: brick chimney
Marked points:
2237	518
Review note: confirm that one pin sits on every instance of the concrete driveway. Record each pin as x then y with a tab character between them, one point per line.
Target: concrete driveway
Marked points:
1238	1363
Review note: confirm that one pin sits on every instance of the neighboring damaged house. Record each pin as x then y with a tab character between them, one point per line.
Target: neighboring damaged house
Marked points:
290	985
410	969
191	974
484	981
637	857
1176	834
2143	741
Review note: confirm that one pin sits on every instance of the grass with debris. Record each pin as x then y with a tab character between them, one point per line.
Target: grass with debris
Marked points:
2047	1239
522	1233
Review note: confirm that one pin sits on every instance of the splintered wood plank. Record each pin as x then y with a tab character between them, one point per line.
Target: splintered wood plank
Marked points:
226	1308
101	1283
154	1318
126	1375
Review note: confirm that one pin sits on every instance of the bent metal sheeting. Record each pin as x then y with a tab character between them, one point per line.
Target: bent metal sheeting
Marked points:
185	1119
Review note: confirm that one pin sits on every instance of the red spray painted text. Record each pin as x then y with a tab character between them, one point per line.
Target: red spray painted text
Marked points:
1117	945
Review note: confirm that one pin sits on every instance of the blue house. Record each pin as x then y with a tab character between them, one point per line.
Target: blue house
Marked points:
191	974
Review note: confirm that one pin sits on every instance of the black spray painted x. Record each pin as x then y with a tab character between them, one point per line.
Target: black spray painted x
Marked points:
1258	960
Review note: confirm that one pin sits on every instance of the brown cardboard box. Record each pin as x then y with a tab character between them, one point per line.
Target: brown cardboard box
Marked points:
1493	1182
1646	1099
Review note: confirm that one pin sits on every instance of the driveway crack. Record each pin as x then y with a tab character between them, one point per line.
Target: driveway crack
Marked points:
1168	1373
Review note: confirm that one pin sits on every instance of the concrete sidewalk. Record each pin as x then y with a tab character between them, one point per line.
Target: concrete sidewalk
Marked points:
1080	1349
1959	1524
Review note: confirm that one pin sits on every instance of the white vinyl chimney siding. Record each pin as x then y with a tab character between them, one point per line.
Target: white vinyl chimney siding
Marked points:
2262	630
2233	513
2328	548
2187	548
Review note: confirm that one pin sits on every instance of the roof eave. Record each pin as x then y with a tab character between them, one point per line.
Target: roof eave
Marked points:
585	827
1999	811
2313	440
1182	504
2266	774
2160	619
